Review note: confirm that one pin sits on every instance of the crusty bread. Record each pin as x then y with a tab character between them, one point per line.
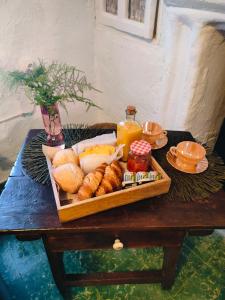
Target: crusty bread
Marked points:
69	177
65	156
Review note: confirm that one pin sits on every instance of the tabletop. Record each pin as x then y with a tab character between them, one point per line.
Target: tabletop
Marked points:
27	206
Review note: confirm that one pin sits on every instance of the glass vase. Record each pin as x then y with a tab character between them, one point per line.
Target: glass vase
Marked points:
52	125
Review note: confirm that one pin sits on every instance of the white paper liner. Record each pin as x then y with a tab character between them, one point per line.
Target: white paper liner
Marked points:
90	162
104	139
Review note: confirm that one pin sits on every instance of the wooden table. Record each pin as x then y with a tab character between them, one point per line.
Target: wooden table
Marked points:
27	209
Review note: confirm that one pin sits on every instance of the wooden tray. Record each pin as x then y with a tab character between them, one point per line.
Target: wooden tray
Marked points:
94	205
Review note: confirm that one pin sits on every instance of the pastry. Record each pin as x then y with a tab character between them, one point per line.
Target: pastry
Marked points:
104	179
101	168
112	176
111	180
115	165
69	177
91	183
65	156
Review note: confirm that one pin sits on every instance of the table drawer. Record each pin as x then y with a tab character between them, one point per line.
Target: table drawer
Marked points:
106	240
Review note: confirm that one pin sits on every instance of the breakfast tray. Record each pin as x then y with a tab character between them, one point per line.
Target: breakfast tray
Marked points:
78	209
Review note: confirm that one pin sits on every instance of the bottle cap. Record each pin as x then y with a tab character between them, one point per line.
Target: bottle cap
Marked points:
131	110
140	147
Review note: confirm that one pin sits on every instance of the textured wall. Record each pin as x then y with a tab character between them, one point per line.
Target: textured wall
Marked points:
176	79
32	29
207	107
210	5
129	71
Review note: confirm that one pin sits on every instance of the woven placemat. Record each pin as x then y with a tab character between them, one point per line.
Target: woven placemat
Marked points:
195	187
33	160
185	187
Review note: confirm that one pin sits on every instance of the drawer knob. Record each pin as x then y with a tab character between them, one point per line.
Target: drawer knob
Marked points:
117	245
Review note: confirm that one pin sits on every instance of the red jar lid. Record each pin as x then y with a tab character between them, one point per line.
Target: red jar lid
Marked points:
140	147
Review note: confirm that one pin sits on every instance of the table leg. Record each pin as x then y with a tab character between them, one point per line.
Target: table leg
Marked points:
57	267
171	256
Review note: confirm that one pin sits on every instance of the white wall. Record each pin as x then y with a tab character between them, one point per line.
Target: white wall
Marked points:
160	76
195	86
132	70
49	29
129	71
207	107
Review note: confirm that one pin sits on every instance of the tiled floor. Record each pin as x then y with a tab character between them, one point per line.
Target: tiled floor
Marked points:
201	275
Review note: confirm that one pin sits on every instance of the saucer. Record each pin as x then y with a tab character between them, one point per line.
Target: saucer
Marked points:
201	166
160	143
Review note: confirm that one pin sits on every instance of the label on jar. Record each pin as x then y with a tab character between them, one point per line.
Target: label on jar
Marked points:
142	177
132	179
129	178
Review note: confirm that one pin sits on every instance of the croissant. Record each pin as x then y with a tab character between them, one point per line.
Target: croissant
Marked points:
101	168
112	176
115	165
91	182
111	180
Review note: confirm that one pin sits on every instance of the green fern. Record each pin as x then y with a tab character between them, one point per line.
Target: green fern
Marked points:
48	84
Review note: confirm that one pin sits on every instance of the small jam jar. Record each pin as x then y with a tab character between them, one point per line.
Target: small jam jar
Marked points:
139	156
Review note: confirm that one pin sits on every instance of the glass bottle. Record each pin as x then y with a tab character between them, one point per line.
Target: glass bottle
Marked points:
128	131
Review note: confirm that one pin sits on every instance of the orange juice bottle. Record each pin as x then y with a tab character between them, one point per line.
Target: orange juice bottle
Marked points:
128	131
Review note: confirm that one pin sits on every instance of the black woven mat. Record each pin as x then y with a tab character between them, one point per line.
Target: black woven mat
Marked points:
33	159
192	187
186	187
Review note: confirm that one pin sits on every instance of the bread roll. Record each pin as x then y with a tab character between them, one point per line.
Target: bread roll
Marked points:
50	152
69	177
65	156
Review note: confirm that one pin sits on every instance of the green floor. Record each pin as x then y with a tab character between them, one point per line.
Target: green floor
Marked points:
201	274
